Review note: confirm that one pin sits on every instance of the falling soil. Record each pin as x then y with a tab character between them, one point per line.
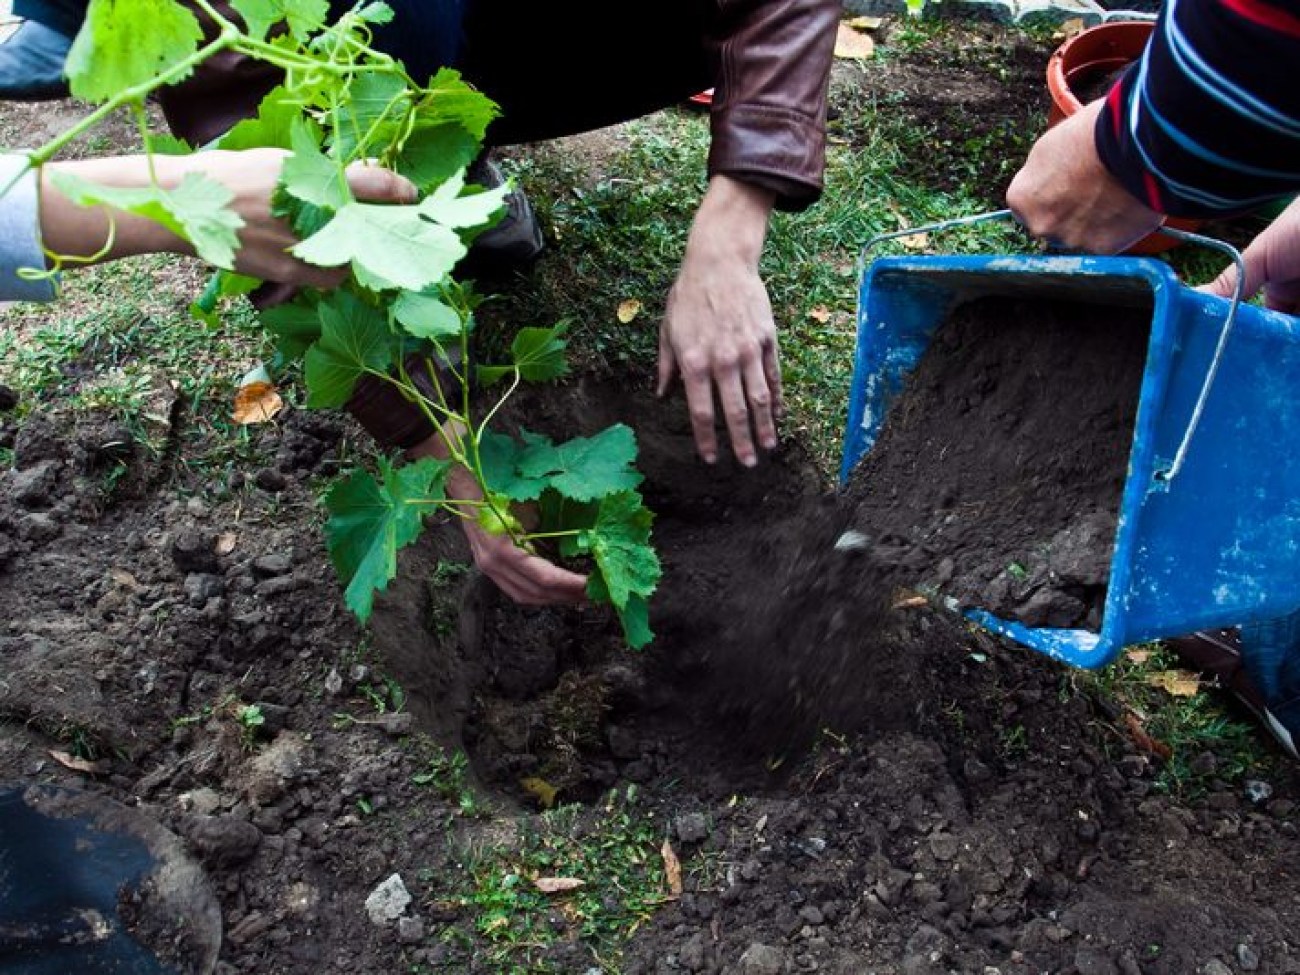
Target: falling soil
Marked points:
850	780
997	473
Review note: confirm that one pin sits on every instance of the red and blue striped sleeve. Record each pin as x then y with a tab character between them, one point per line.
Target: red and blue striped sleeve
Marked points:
1208	122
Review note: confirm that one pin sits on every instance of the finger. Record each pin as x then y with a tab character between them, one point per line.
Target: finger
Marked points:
772	370
667	363
699	406
759	395
378	185
735	410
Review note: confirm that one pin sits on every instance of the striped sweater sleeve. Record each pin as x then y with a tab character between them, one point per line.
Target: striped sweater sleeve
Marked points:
1208	122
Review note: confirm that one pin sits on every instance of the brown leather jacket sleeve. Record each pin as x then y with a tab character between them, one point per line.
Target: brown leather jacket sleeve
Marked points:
768	120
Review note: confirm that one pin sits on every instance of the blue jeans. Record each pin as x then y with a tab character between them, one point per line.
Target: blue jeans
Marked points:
1270	653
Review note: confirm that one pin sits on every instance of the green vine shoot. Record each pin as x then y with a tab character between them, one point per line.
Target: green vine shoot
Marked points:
399	315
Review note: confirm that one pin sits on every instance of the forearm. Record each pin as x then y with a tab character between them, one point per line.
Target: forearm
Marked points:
76	231
1209	122
731	222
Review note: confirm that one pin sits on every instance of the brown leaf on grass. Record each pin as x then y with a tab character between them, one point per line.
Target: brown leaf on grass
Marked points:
1068	29
557	885
914	242
672	869
820	314
79	764
541	790
1136	656
628	310
1179	683
865	23
257	402
1143	740
852	45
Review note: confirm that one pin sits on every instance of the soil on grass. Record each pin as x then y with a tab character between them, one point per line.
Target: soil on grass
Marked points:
853	781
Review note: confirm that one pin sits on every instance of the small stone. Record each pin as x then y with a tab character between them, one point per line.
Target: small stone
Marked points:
1215	967
1247	958
1257	791
761	959
269	479
410	930
691	827
276	564
388	901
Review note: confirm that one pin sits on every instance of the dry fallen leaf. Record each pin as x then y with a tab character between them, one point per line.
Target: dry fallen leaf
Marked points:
557	885
541	790
851	44
820	314
257	402
1179	683
628	310
914	242
1138	657
672	868
865	23
1068	29
79	764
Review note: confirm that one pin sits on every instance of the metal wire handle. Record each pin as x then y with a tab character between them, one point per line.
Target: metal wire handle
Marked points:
1180	456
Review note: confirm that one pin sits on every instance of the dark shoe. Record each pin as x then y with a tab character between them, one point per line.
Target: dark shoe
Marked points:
1217	654
514	242
31	64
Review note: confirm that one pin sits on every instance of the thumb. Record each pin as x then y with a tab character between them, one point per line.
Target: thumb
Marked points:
1224	284
375	184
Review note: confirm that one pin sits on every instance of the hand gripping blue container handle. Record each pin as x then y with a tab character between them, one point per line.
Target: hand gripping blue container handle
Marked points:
1208	530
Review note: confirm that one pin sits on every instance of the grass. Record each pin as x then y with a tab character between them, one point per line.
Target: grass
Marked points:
509	922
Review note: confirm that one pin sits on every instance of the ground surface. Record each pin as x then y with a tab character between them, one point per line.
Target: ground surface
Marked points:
850	781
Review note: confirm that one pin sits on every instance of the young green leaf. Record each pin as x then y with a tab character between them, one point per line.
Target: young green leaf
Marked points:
272	126
584	468
448	207
198	210
426	316
629	569
448	99
371	519
387	246
309	175
303	16
296	325
369	120
125	43
538	354
355	339
432	153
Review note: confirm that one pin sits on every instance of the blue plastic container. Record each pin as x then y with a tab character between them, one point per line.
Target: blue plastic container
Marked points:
1218	544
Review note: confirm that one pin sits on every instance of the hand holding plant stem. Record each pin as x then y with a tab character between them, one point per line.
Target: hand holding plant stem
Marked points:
343	103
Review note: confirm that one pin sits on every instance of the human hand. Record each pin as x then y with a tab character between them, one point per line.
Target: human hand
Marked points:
1272	262
251	175
524	577
718	331
1065	196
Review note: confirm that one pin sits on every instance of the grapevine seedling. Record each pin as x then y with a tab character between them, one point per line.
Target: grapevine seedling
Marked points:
399	317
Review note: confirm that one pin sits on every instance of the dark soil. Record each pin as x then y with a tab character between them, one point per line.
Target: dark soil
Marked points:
854	781
975	490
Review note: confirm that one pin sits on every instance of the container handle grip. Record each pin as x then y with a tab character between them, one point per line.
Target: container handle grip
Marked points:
1176	465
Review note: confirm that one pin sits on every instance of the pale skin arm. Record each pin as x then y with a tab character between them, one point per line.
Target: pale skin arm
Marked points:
718	332
1065	196
75	231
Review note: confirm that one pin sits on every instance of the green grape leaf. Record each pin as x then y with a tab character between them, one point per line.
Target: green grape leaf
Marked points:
296	325
272	126
355	339
538	353
125	43
311	176
448	98
426	316
368	120
197	209
303	16
584	468
166	145
375	13
447	207
372	518
499	463
220	284
628	566
432	153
